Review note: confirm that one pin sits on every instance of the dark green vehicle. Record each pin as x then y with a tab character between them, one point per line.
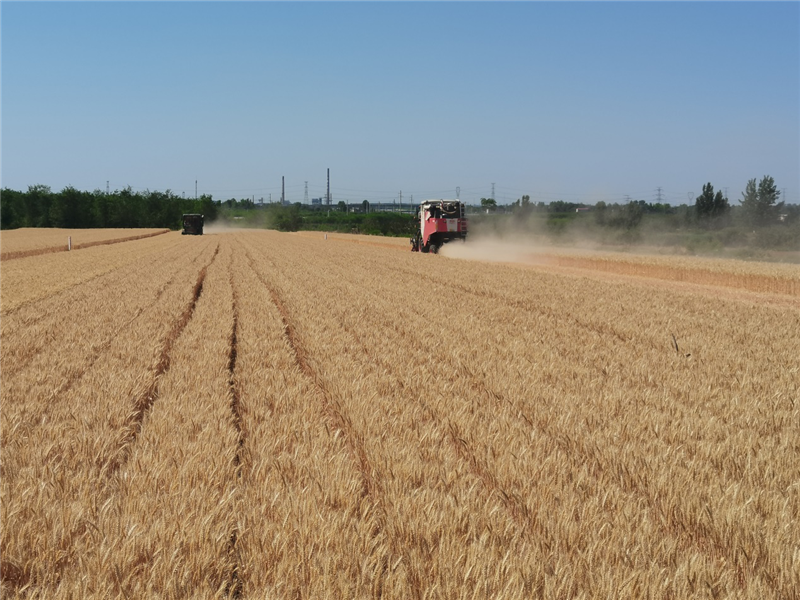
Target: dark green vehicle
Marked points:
193	224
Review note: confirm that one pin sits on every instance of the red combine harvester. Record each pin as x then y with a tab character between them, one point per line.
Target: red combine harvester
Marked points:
440	221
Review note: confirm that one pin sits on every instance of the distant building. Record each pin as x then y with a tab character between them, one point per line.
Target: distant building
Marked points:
316	201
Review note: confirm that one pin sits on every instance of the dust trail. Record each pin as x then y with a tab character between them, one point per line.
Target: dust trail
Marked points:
496	249
215	228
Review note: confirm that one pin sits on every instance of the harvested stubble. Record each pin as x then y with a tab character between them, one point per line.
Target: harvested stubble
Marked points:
343	421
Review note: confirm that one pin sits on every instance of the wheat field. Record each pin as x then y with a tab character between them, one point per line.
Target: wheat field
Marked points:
263	415
26	241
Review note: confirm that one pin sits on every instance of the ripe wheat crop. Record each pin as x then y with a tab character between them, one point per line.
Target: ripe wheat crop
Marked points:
266	415
26	241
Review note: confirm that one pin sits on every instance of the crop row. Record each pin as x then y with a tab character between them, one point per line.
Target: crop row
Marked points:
269	415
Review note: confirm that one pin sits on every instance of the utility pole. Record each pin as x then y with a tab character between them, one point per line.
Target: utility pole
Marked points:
401	200
283	192
328	195
493	198
458	193
195	189
305	197
106	187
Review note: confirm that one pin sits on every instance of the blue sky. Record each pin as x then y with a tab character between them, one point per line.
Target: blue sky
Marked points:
573	101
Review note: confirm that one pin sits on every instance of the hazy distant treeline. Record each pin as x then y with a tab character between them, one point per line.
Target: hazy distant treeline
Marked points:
759	219
75	209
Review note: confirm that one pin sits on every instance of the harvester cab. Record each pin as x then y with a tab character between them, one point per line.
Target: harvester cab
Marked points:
193	224
439	222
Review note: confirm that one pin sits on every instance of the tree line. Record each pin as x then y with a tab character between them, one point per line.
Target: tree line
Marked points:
70	208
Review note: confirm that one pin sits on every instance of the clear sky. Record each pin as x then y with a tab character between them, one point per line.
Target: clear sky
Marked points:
572	101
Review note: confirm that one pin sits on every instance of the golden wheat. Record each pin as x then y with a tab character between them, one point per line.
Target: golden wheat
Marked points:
28	241
264	415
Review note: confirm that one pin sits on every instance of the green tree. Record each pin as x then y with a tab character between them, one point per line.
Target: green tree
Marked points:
760	204
488	203
342	206
12	209
208	207
709	205
522	205
37	206
72	209
600	212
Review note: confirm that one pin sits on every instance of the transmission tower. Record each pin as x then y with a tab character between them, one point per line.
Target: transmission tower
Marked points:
458	193
493	198
659	196
305	197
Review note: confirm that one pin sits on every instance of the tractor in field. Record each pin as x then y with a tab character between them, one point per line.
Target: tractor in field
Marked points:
193	224
440	221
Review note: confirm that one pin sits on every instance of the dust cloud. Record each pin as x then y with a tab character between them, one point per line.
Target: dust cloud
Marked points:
508	249
491	249
214	228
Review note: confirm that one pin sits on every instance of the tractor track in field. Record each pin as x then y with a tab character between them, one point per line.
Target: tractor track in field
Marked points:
18	577
33	301
706	541
234	584
97	352
23	356
333	412
513	504
145	401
